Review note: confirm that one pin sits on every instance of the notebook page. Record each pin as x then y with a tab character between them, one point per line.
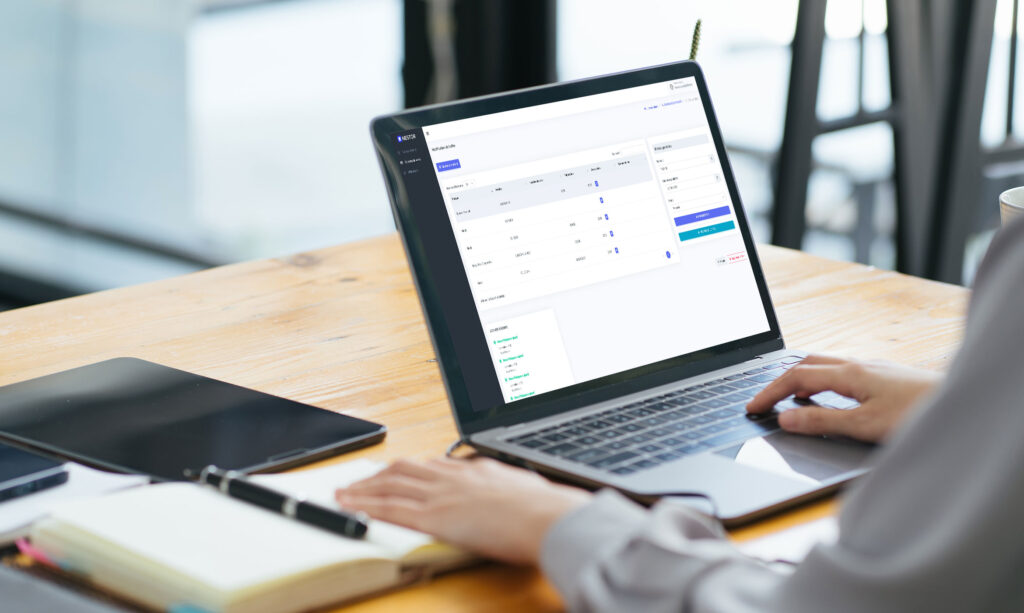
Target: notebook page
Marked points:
201	534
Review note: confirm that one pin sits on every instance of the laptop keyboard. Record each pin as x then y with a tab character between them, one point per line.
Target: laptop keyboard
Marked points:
647	433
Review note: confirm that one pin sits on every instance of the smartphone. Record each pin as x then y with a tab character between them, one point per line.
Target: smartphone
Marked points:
23	472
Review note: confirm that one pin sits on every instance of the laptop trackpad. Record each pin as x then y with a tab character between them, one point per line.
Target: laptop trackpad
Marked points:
759	474
811	459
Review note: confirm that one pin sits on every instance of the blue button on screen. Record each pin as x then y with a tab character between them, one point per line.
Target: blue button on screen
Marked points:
448	165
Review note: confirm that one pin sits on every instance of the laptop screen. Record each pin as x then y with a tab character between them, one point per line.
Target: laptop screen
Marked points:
597	235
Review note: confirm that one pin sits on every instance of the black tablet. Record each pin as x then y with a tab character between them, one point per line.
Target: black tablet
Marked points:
131	415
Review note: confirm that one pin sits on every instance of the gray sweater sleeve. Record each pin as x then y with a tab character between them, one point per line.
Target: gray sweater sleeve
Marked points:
933	527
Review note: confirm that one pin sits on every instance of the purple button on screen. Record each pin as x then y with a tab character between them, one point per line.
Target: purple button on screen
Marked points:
448	165
702	215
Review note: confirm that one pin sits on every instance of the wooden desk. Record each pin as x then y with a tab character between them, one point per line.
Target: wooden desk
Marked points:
341	328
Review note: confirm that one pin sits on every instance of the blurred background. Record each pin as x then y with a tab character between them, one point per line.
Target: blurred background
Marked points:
141	139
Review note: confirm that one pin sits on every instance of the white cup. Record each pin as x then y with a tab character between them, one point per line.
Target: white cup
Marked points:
1011	204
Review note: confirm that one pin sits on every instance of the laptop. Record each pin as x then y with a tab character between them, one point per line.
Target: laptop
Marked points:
593	293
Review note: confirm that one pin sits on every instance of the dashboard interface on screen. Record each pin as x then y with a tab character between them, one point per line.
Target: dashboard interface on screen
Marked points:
597	233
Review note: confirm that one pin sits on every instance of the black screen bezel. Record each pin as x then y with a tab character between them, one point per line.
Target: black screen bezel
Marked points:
470	420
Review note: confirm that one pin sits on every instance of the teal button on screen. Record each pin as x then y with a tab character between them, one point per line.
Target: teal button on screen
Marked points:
706	230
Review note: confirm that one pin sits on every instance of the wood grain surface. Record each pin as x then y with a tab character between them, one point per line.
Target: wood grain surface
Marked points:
341	328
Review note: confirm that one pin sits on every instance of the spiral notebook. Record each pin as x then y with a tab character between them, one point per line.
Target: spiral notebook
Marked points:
180	546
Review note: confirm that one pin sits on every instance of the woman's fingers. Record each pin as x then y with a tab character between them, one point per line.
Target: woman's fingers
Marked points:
805	380
392	484
868	422
393	509
404	478
885	393
412	468
408	469
819	359
813	419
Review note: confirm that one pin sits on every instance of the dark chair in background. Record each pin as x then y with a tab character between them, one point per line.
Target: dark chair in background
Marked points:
909	114
970	176
946	182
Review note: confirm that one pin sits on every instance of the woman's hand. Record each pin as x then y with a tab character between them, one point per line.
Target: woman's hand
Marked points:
885	392
480	504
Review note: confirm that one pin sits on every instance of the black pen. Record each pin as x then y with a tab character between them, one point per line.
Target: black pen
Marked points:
235	484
